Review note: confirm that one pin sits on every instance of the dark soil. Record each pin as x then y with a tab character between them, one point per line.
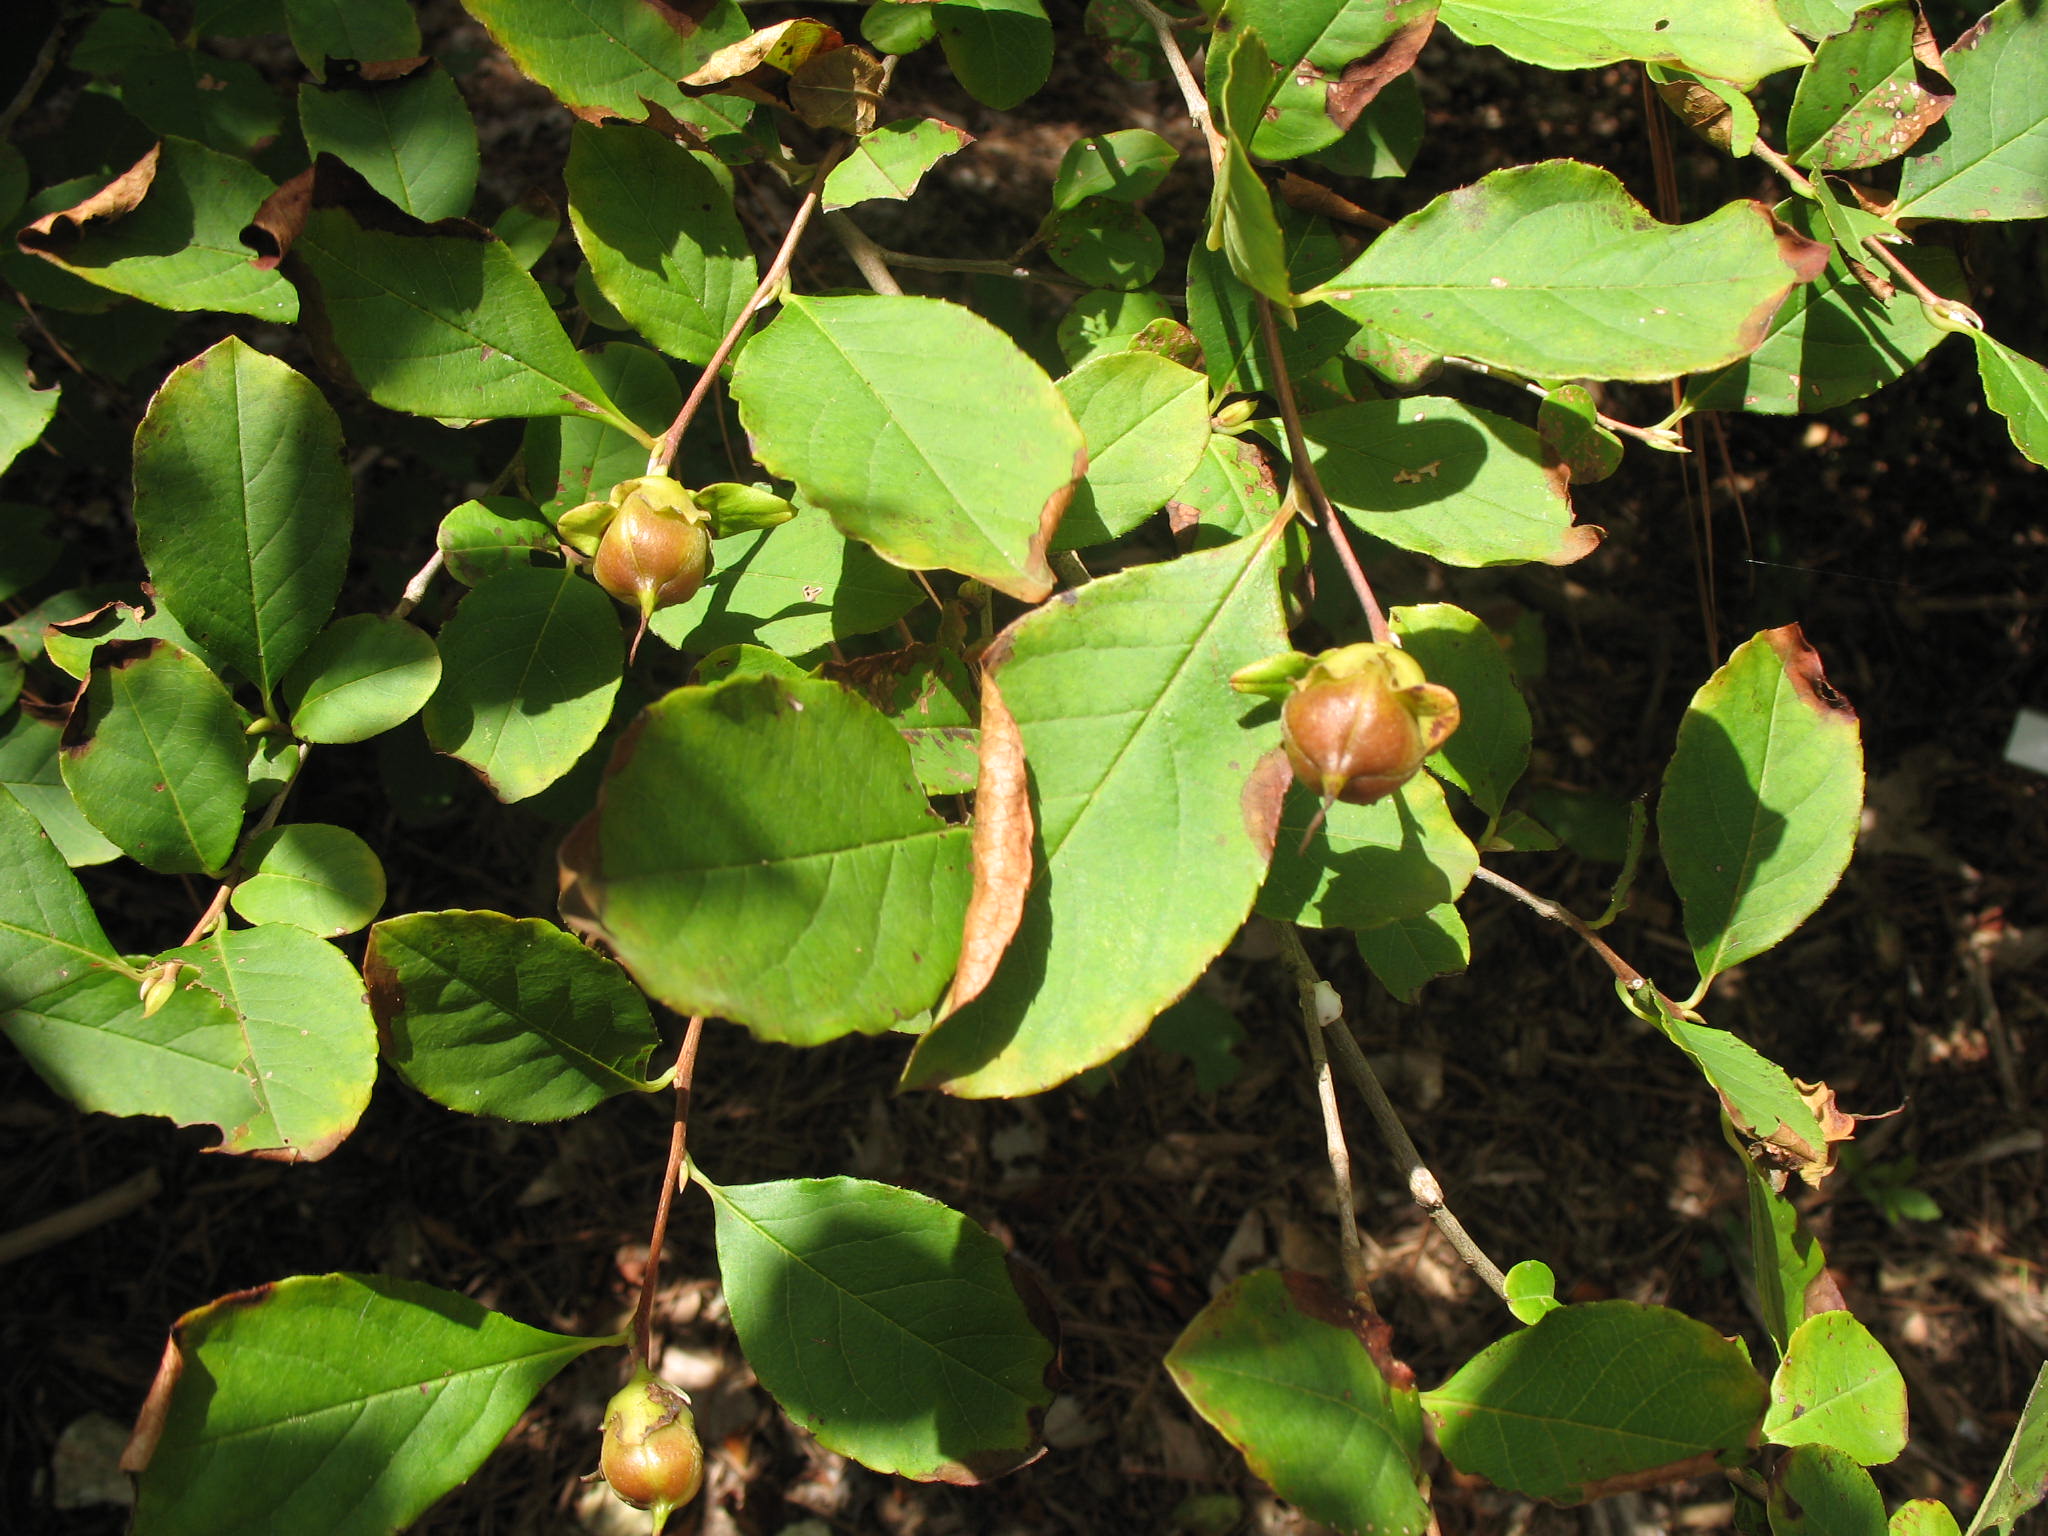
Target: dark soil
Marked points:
1903	532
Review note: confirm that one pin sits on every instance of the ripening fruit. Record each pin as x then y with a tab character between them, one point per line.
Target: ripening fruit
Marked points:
651	1456
1360	721
656	551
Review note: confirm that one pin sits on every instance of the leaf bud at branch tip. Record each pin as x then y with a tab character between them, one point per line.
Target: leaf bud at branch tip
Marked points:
651	1455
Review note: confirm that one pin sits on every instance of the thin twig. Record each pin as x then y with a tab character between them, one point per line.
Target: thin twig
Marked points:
1793	177
1190	88
1423	1187
1310	987
1311	483
872	260
1960	313
416	589
664	453
233	877
1663	439
46	60
1625	973
1066	565
94	1211
672	1181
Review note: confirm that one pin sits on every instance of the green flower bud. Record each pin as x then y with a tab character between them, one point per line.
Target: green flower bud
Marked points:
656	550
1361	720
651	1455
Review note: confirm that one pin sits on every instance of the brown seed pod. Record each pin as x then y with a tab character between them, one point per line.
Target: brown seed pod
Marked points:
1361	720
656	550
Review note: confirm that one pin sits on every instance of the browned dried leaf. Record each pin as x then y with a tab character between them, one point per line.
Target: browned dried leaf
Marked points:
1002	849
56	233
839	89
784	46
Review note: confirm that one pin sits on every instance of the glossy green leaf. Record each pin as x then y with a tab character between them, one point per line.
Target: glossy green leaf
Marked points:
1106	320
412	139
891	161
999	50
1146	422
493	1015
500	533
1105	243
885	1323
1412	951
311	1048
1832	341
529	665
1988	158
762	851
1333	57
320	878
1865	98
1446	480
1761	799
1242	225
677	265
363	675
443	325
69	644
920	428
610	58
1299	1381
49	937
243	506
1739	40
569	460
2021	1481
529	227
1785	1261
24	409
1487	753
1149	781
795	588
1127	165
1817	19
1837	1386
1530	1290
1397	858
1476	273
1223	313
1385	139
2017	388
1820	1491
365	31
1923	1517
1231	492
896	29
29	771
180	246
1757	1094
1588	1395
155	756
1568	421
347	1403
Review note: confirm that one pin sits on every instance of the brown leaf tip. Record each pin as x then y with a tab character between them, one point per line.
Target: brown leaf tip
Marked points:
1804	671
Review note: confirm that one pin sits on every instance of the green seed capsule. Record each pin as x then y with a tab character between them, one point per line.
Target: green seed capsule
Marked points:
651	1456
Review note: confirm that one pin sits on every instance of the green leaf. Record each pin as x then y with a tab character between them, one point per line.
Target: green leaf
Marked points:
891	161
444	325
155	756
2017	388
1923	1517
888	27
349	1403
1785	1261
242	507
1127	165
1757	1094
1231	492
573	459
1105	320
310	1046
1817	18
1146	422
1988	158
1476	273
885	1323
1819	1491
999	50
1588	1395
1333	57
24	409
920	428
1832	341
49	936
69	643
1568	421
1739	40
1862	100
929	695
364	31
1148	781
1223	314
795	588
500	533
1530	1290
320	878
174	239
1487	753
1836	1386
2021	1480
1411	951
185	93
1446	480
529	665
762	851
492	1015
1105	243
608	58
1385	139
1241	221
1298	1380
1761	799
28	770
677	265
529	227
362	676
412	139
1397	858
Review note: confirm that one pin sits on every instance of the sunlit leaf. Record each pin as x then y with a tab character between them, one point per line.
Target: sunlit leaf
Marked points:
1837	1386
1988	158
1739	40
321	878
411	138
363	675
